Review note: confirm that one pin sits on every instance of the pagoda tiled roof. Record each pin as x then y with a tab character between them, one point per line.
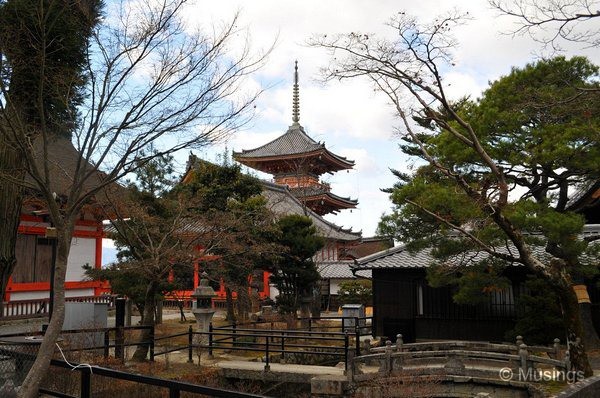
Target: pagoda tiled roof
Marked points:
281	201
294	142
304	193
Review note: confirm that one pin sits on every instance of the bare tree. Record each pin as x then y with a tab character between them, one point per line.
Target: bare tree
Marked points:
408	71
554	21
150	82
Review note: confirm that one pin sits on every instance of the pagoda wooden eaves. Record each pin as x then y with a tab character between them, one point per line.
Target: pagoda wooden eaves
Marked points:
316	162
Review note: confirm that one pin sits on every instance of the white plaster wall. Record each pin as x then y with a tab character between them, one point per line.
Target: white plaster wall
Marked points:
16	296
334	285
79	292
83	251
85	228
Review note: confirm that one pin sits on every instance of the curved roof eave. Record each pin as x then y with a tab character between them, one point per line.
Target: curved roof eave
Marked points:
328	229
294	142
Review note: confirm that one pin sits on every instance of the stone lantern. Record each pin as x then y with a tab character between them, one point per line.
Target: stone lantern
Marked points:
203	311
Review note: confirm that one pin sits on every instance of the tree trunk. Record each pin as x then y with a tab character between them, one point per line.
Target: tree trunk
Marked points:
244	303
11	201
230	310
574	326
141	352
32	382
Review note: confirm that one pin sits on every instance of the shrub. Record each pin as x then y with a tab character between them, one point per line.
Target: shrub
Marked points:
358	291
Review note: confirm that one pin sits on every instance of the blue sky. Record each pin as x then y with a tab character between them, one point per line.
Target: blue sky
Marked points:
352	119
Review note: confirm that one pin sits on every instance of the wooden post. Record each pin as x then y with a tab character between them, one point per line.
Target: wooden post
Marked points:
190	344
267	366
346	340
106	343
128	312
152	343
86	383
120	323
351	366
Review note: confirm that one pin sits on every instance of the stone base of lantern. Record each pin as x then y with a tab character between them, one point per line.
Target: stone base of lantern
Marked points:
203	319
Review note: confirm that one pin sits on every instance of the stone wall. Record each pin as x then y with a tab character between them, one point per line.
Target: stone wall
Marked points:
588	388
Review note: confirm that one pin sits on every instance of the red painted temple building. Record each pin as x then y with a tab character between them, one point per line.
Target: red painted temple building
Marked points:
35	246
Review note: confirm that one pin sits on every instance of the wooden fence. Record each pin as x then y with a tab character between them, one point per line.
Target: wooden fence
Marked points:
22	309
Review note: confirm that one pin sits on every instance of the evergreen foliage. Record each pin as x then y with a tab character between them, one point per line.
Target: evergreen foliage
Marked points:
295	271
45	48
539	126
540	320
358	291
236	226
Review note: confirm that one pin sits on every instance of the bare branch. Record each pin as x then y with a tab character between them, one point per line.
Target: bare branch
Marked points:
551	22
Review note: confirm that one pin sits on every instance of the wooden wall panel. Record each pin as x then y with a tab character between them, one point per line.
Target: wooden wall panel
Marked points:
25	253
43	260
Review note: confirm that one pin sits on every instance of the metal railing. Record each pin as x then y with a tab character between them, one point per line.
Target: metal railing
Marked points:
174	388
278	342
111	338
323	323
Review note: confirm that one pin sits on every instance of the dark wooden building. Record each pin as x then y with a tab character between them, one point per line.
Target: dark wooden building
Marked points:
404	303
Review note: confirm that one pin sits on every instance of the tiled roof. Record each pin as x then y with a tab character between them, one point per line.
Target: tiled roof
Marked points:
339	270
62	162
281	201
396	257
294	142
305	192
578	198
399	257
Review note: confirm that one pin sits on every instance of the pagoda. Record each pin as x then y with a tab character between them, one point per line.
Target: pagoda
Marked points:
297	161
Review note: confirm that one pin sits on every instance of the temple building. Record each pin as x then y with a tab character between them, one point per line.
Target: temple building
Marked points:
297	161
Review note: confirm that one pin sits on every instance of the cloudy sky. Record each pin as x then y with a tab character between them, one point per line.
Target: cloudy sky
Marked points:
352	119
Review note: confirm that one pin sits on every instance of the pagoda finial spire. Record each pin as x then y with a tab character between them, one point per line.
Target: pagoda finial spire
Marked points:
296	99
